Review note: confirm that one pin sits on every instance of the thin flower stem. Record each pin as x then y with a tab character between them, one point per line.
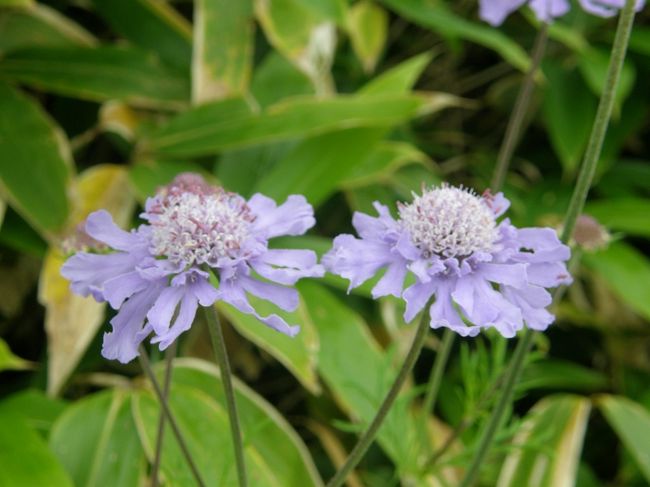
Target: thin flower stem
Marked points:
368	437
601	122
438	369
146	366
585	178
221	354
516	122
511	378
155	467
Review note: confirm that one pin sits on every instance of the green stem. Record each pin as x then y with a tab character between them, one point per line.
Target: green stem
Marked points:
368	437
221	354
601	122
585	178
169	359
511	378
146	366
438	369
516	122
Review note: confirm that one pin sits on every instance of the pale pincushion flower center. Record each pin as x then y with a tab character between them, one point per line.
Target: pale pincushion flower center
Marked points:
200	228
449	222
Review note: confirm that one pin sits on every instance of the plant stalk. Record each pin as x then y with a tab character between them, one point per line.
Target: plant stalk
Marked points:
438	369
146	366
169	359
585	178
368	437
522	103
221	354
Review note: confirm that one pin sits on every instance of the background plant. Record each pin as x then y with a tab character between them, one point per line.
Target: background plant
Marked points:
102	101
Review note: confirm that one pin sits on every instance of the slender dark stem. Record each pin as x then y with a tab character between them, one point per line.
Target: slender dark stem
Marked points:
515	124
511	378
585	178
169	359
221	355
146	366
368	437
436	372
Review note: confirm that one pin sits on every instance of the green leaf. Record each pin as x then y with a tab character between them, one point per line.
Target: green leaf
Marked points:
36	408
39	25
31	139
264	429
223	49
151	24
399	78
631	422
358	373
301	34
560	374
594	64
383	162
147	177
205	428
275	78
629	215
96	440
212	128
437	17
627	272
99	74
569	110
298	354
548	444
331	157
9	361
368	29
25	459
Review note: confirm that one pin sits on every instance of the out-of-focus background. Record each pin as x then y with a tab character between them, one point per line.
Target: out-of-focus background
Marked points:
346	102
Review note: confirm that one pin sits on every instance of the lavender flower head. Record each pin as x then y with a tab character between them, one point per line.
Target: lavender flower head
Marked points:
482	273
495	12
156	275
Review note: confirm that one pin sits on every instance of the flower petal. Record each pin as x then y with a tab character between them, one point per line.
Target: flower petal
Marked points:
416	296
357	260
285	298
121	287
293	265
100	226
88	273
122	343
391	282
232	292
294	217
161	313
443	313
547	10
183	321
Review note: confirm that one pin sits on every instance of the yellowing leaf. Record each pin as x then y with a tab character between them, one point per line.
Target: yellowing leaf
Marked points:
72	321
368	29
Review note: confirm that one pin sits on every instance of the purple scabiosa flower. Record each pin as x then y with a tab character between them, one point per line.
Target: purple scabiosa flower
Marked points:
482	273
607	8
494	12
157	275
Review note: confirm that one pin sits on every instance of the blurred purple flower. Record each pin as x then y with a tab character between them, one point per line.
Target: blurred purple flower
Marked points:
495	12
485	273
156	275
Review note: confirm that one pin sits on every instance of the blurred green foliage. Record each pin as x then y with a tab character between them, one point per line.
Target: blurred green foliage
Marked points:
347	102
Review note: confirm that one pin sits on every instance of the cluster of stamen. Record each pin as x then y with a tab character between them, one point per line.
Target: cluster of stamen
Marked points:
194	223
449	222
